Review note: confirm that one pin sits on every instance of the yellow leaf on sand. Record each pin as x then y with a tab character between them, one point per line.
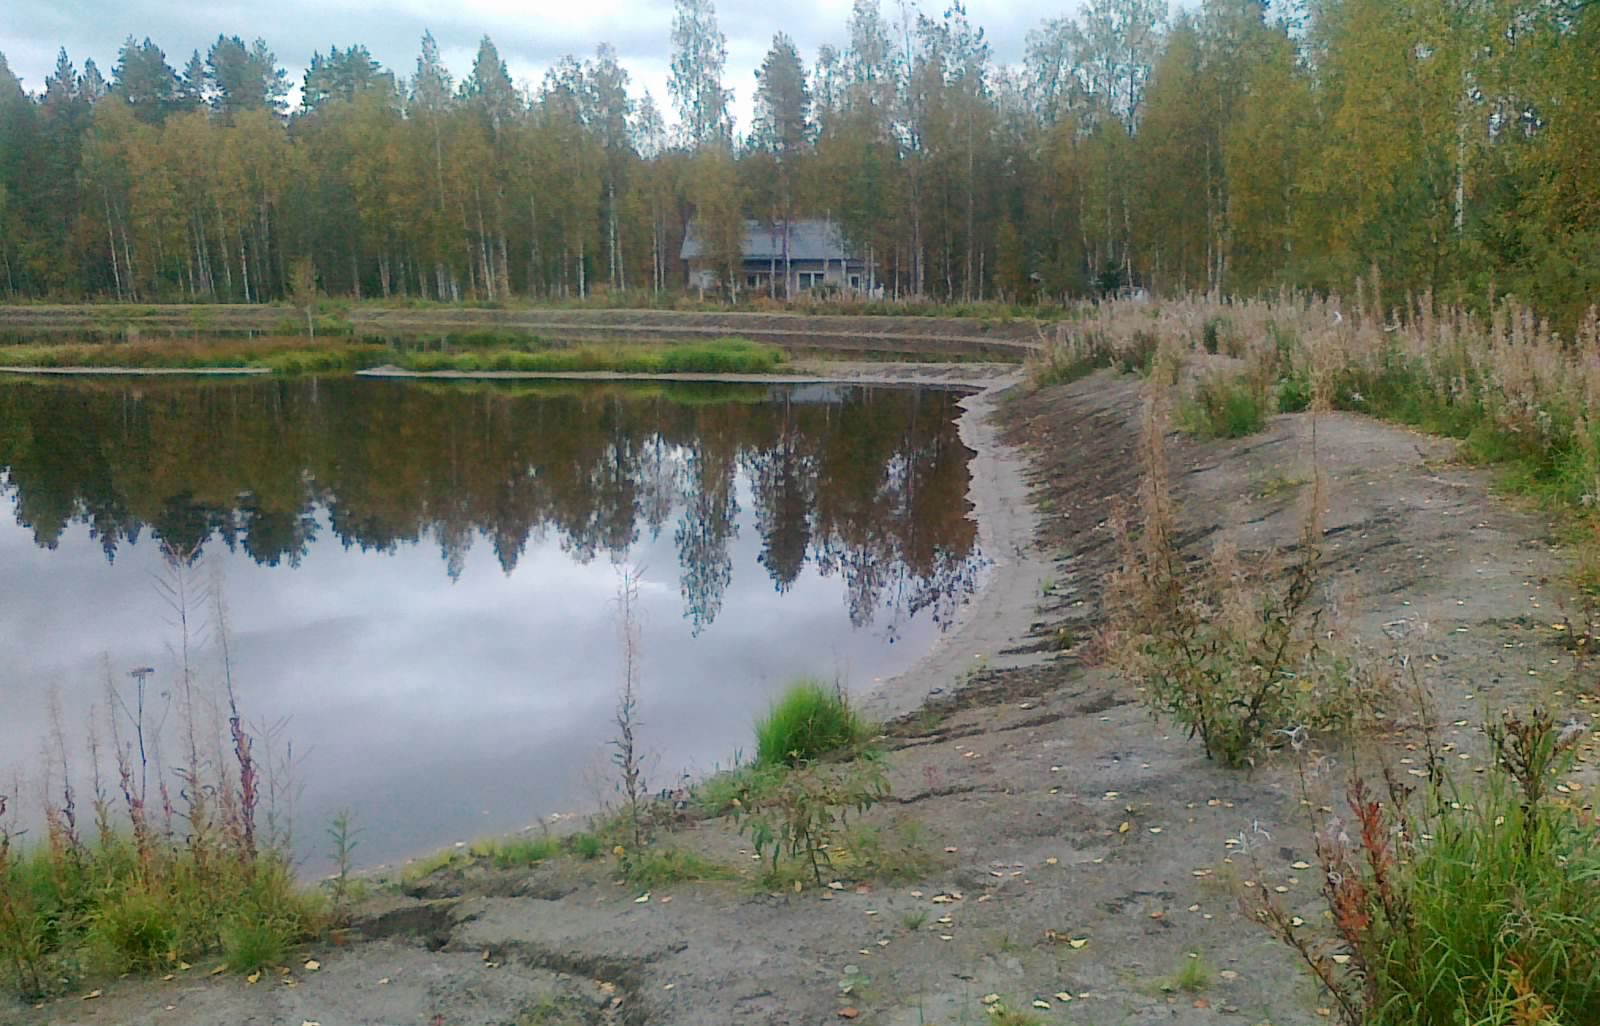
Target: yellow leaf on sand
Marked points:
254	978
1300	865
1063	996
1052	860
92	995
1040	1003
312	965
642	899
184	967
1078	942
1341	959
1125	827
990	999
218	971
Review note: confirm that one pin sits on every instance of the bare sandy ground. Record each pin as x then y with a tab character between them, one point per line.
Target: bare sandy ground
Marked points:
1085	851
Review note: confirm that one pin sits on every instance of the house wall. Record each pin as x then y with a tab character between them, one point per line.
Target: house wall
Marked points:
803	275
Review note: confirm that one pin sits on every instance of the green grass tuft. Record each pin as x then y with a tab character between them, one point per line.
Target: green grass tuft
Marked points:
660	867
525	851
1224	408
810	720
1193	976
249	946
586	845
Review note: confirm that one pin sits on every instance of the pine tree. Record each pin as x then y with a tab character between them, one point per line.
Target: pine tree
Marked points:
144	81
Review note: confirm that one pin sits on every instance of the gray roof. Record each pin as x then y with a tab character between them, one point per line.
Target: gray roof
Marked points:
808	240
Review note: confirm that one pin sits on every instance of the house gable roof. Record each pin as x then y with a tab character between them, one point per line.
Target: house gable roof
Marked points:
808	240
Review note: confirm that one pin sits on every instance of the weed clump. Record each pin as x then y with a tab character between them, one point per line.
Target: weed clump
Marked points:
797	814
661	867
181	865
1238	661
1222	407
1443	902
810	720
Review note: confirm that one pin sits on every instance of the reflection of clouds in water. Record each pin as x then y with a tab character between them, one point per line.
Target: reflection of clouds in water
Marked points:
447	709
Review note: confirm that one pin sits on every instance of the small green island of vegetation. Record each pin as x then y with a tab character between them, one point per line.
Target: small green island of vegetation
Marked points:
290	356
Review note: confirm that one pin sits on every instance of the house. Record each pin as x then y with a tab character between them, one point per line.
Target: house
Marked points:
816	257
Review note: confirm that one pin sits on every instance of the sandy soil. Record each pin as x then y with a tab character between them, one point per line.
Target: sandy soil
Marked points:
1084	847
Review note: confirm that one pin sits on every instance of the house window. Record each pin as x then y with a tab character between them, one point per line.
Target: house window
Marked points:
811	279
753	281
855	281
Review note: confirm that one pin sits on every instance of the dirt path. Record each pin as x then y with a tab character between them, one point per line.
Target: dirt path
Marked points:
1085	849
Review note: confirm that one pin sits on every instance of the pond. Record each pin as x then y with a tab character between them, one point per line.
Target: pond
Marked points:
412	586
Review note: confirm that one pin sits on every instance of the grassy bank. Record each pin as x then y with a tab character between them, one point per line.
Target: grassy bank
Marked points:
289	356
1450	897
1520	396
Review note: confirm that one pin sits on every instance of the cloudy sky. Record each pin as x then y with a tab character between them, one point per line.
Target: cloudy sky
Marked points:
531	34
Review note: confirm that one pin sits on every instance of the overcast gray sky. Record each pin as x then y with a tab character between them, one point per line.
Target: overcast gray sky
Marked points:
531	34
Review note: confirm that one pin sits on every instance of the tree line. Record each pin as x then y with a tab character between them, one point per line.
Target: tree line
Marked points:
1442	147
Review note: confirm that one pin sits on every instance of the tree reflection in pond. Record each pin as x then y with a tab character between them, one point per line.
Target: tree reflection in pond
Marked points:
869	484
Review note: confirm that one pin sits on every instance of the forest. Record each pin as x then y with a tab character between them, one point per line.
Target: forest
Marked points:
1428	148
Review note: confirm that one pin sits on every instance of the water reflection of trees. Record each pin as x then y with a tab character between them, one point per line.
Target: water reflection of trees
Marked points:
872	489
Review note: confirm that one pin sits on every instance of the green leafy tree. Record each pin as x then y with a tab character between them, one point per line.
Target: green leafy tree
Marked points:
699	53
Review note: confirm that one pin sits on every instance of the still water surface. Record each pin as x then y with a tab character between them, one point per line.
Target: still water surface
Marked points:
419	579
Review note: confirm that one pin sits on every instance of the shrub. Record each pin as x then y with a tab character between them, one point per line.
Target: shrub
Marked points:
795	814
810	720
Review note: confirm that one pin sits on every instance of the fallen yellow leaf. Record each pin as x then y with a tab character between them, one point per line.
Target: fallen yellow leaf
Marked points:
312	965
